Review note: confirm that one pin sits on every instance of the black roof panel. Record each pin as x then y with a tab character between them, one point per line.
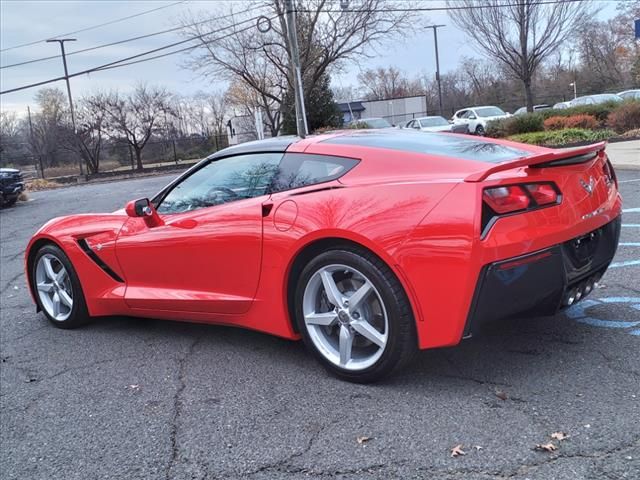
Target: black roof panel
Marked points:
445	144
274	144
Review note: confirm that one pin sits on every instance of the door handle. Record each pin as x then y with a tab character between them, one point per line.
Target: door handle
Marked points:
266	208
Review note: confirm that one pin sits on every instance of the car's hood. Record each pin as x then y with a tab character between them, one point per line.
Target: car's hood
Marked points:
82	225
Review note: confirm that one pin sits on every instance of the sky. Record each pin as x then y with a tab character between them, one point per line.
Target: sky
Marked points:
23	21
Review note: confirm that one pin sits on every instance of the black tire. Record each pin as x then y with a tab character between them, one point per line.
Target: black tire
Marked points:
480	131
11	202
402	340
79	313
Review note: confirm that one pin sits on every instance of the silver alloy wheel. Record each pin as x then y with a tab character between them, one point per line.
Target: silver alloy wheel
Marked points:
345	317
54	287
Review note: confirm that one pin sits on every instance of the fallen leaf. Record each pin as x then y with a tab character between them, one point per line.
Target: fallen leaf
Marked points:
501	395
457	450
548	447
363	439
134	387
559	436
478	447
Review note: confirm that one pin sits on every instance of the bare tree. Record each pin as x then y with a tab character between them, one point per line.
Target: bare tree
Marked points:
327	35
9	129
136	116
382	83
47	125
87	140
521	35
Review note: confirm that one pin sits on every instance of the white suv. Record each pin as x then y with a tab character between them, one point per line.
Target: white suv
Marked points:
476	118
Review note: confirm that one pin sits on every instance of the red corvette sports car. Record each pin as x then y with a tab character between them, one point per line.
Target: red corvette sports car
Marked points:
365	244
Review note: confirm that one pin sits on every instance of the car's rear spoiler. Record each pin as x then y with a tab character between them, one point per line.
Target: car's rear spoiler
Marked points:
550	159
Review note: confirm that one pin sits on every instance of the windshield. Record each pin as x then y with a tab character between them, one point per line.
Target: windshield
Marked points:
489	112
433	122
606	97
377	123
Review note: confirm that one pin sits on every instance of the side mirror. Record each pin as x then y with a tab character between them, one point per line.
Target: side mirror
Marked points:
143	208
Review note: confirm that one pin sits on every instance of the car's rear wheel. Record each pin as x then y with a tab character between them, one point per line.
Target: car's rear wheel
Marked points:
57	288
354	315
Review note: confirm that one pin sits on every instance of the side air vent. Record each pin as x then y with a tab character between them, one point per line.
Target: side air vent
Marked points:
98	261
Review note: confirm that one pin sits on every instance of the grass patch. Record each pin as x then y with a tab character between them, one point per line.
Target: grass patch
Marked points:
556	138
40	184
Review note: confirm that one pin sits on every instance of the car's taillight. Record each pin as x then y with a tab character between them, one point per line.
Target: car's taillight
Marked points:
543	193
509	199
506	199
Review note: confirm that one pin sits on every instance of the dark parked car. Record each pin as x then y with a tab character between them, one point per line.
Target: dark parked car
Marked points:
11	185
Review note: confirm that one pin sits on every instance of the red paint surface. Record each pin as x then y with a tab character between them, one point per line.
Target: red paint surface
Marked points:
229	264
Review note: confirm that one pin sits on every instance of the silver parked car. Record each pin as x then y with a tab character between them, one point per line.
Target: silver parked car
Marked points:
523	110
561	105
430	124
372	123
630	95
595	99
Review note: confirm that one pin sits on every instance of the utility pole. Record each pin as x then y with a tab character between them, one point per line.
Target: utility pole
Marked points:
301	115
66	78
435	39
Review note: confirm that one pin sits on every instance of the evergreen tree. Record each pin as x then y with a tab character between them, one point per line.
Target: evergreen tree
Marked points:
322	110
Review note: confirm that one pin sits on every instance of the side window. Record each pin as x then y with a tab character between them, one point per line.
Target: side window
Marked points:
300	169
222	181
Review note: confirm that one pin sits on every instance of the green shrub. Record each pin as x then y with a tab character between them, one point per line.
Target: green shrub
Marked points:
625	117
496	129
555	138
528	122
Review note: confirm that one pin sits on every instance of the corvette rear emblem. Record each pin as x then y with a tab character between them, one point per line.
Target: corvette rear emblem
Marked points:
588	186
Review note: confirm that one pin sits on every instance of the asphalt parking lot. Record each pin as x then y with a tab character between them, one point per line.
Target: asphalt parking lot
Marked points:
129	398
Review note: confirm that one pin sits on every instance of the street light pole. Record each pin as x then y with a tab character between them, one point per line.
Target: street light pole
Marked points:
301	117
575	89
435	39
66	78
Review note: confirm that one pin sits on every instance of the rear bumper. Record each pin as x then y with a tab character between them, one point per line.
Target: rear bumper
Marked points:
543	282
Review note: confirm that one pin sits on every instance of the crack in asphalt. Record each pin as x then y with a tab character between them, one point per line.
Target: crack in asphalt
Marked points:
8	284
177	407
10	258
522	470
462	376
283	466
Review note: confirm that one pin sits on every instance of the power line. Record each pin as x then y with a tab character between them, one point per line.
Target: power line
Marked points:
119	63
119	42
169	30
94	26
437	9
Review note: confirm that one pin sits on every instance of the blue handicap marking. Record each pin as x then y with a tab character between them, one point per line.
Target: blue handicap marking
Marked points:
578	312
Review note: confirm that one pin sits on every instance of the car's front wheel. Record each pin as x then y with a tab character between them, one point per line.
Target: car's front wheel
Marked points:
480	131
354	315
57	288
